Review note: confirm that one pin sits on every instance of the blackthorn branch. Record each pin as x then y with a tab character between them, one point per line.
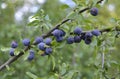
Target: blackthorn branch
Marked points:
49	33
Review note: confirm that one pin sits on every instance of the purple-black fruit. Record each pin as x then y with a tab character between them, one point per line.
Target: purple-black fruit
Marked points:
31	55
88	35
48	41
48	51
38	40
94	11
26	42
88	40
77	31
11	52
70	40
83	36
41	46
56	33
96	32
14	44
62	32
77	39
59	39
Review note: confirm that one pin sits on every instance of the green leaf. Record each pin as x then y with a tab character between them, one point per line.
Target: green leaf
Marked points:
64	6
70	75
31	75
53	61
5	49
34	23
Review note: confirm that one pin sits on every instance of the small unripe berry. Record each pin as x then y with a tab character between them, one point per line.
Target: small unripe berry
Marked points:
59	39
26	42
70	40
14	44
94	11
11	52
48	41
88	35
88	40
41	46
48	51
77	39
38	40
31	55
77	31
96	32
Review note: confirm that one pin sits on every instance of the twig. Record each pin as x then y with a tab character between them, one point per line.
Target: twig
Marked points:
13	59
87	8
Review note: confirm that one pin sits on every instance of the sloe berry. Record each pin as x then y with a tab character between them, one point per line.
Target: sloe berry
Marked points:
88	35
56	33
26	42
41	46
62	32
77	39
11	52
94	11
48	41
88	40
96	32
48	51
31	55
38	40
59	39
77	31
14	44
70	40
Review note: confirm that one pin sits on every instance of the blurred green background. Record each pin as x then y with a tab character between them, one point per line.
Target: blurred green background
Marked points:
77	61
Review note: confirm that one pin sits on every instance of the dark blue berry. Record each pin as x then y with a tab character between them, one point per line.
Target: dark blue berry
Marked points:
11	52
59	39
62	32
94	11
48	51
26	42
41	46
88	35
70	40
77	39
38	40
83	36
88	40
14	44
56	33
31	55
48	41
77	31
96	32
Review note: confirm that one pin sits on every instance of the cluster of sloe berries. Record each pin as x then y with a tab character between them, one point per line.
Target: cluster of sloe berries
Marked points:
59	34
45	45
80	35
14	45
